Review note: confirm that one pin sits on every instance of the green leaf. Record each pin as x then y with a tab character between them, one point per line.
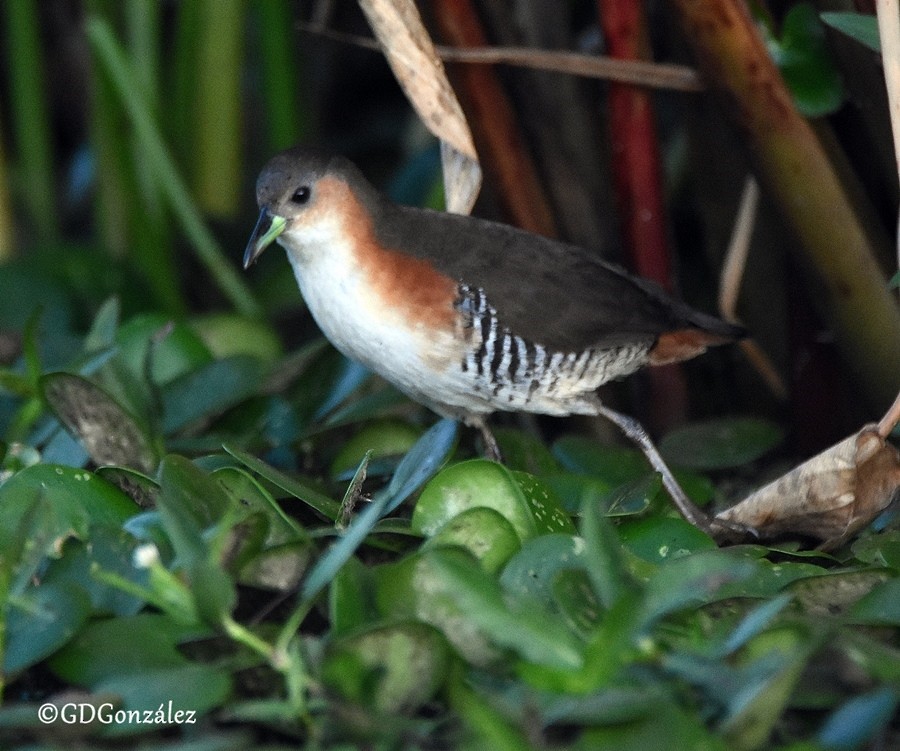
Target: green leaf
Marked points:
806	64
880	607
862	28
522	625
667	726
533	570
384	438
350	598
544	504
859	720
192	687
692	581
660	538
155	345
326	506
720	443
210	390
394	668
483	532
614	464
41	621
473	484
603	559
226	334
73	501
110	550
426	456
128	645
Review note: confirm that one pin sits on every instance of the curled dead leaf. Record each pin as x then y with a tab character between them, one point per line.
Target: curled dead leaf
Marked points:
829	497
420	72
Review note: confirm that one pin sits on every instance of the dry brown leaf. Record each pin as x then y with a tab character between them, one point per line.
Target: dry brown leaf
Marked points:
420	72
829	497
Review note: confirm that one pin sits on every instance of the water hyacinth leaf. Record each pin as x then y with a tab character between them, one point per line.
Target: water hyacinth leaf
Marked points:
691	581
210	390
544	504
109	433
574	490
416	586
481	531
326	506
633	497
472	484
660	538
863	28
521	625
720	443
421	462
395	668
128	645
41	621
533	570
277	567
525	452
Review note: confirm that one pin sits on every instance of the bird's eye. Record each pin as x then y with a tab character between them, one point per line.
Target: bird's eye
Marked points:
301	195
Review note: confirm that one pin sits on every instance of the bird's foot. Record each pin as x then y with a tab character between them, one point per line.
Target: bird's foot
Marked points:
720	530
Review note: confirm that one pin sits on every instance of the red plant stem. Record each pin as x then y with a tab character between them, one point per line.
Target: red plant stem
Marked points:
493	120
637	175
635	148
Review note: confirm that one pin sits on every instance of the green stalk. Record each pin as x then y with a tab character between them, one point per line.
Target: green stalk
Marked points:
30	120
113	59
286	120
217	122
6	216
815	197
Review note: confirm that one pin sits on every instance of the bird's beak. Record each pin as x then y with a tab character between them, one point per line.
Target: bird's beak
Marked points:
267	228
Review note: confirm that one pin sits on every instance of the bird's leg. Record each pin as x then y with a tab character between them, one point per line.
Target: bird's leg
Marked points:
689	510
491	448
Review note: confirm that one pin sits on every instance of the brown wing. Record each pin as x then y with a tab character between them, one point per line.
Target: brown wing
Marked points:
545	291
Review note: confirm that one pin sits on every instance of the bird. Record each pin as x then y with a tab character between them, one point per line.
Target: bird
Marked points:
469	316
